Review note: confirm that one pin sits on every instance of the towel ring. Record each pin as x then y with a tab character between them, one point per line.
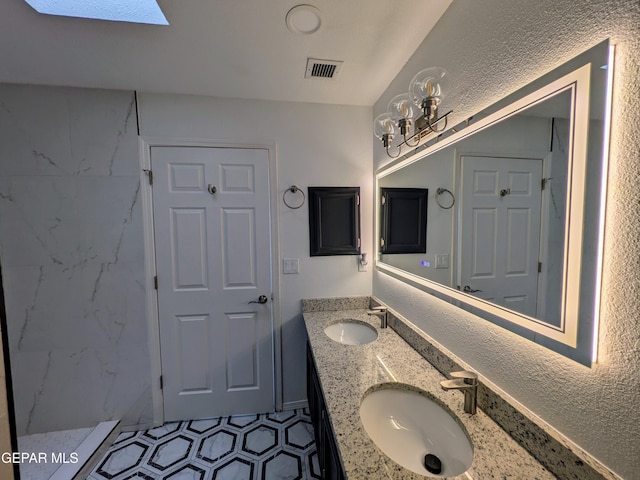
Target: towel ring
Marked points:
293	189
439	192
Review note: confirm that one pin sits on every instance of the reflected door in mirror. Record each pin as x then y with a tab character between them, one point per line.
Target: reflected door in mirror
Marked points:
500	238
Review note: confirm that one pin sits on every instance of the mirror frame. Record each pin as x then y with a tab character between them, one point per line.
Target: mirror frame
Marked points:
573	331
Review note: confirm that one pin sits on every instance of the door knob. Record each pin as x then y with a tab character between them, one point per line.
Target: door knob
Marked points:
261	299
468	289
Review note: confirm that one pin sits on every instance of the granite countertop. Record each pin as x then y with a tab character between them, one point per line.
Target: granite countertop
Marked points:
348	371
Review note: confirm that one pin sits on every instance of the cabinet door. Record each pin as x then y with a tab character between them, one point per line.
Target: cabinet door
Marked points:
332	468
328	456
334	220
403	220
315	401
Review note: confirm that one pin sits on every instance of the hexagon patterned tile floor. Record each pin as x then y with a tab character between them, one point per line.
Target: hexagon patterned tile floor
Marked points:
249	447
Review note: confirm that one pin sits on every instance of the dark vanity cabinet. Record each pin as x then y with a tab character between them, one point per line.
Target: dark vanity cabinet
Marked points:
328	456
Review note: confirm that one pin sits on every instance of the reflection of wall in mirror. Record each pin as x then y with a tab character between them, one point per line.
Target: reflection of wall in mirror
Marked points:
556	186
431	172
555	216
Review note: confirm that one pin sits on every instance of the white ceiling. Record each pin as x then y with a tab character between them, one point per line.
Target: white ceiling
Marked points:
226	48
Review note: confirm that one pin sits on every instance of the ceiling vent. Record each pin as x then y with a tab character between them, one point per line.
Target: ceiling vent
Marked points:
317	68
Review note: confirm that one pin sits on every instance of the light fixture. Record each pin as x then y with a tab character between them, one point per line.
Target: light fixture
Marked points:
400	110
384	129
304	19
426	92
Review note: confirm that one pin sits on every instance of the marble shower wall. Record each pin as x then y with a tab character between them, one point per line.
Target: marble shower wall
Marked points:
71	247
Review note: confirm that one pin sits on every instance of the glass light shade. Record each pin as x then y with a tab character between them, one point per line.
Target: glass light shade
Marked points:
400	107
428	83
383	125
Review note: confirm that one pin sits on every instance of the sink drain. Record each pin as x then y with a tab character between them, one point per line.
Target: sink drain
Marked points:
432	463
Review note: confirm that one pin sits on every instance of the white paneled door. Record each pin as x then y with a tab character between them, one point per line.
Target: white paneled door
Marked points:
212	242
501	204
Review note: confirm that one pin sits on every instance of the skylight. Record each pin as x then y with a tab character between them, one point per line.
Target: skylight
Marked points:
137	11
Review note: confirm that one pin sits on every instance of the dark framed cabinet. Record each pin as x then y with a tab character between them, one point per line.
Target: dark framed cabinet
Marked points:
328	456
403	220
334	220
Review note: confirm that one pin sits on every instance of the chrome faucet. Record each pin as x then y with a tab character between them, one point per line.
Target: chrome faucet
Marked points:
468	383
379	312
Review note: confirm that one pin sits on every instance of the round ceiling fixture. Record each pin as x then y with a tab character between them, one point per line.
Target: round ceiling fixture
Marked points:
304	19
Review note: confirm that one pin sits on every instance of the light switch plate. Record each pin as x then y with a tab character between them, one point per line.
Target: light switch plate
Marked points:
442	260
290	265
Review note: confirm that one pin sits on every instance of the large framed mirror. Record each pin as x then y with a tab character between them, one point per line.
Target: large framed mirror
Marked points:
516	214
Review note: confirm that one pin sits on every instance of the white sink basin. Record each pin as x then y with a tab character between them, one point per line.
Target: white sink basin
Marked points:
407	425
351	332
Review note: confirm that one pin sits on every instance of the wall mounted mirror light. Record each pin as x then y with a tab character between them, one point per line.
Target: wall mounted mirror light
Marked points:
522	244
426	91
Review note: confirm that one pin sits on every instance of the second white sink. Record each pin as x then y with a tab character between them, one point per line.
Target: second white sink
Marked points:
351	332
407	426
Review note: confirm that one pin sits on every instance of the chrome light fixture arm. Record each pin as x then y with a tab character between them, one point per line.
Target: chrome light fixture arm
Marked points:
423	128
386	142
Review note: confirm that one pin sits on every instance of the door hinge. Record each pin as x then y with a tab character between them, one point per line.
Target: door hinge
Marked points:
383	200
543	183
155	282
381	242
358	242
149	175
358	199
539	267
161	382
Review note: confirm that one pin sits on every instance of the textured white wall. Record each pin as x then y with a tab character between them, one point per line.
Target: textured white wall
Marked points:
316	145
492	48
